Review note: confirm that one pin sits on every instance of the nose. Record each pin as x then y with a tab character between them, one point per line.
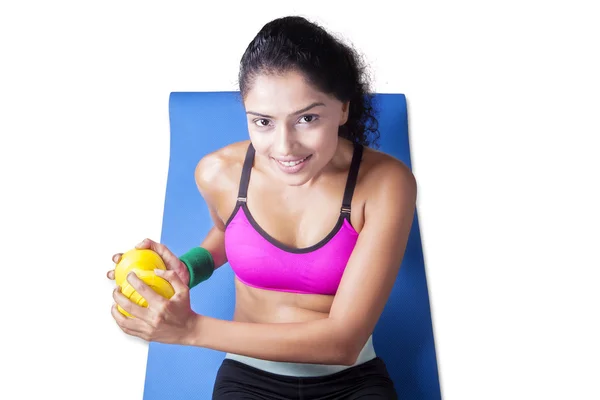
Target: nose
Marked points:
283	141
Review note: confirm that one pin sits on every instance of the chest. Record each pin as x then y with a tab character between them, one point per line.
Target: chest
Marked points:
262	261
297	219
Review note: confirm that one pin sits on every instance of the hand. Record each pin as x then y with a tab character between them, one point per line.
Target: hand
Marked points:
164	320
172	262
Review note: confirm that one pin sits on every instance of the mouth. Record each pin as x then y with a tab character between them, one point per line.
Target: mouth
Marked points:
292	166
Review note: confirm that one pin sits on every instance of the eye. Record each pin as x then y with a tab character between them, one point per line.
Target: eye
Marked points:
307	119
261	122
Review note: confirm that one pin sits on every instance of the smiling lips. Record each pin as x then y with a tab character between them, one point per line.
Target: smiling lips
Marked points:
292	166
292	163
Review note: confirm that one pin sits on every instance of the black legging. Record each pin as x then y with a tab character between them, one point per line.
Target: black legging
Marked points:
370	380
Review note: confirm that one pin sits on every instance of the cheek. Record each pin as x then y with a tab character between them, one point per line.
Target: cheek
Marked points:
261	143
323	140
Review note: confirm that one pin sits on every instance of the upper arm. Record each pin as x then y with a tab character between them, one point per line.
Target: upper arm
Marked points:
206	173
374	264
217	177
214	175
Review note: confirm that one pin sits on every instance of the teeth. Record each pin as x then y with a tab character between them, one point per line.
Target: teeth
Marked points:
292	163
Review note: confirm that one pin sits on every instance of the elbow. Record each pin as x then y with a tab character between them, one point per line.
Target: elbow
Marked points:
348	361
350	353
346	342
346	346
340	353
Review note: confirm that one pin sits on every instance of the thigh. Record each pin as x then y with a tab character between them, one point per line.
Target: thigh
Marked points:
374	391
374	385
366	381
239	381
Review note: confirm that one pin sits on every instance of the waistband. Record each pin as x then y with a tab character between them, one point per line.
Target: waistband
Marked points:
304	369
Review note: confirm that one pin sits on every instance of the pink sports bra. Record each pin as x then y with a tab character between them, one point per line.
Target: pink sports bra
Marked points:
261	261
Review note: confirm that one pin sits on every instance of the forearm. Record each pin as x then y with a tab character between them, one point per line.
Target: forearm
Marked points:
315	342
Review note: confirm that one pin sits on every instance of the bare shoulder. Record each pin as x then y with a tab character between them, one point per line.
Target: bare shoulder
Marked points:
386	178
217	174
220	165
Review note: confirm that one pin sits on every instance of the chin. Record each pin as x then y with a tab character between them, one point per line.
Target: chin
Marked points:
296	181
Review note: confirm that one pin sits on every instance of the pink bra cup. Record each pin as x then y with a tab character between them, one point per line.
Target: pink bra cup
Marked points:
258	260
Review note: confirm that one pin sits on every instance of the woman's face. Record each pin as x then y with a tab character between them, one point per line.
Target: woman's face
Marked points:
293	125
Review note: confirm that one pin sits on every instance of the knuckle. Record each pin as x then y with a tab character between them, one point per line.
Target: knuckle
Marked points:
161	309
170	274
141	289
135	282
160	247
157	320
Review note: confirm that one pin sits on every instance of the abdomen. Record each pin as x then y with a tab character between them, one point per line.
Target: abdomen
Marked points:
265	306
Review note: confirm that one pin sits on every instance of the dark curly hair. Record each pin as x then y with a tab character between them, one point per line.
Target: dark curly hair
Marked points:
296	44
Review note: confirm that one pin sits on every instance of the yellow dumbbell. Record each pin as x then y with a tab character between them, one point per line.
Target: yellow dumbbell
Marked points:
142	262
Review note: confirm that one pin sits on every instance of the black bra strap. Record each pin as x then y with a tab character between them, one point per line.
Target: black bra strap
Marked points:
352	177
245	179
350	182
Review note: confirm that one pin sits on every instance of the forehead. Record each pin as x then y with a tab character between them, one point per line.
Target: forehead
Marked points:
282	93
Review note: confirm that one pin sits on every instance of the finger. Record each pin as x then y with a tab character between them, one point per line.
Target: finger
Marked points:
163	251
128	325
117	257
153	298
159	248
129	306
146	244
173	279
111	274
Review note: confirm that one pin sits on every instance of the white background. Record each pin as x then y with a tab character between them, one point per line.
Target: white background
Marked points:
503	107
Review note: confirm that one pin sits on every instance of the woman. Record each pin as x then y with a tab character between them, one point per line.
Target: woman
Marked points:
312	221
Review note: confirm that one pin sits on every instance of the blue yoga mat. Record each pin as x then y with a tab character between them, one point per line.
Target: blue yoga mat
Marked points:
403	338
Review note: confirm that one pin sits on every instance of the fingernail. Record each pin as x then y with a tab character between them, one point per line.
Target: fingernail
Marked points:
159	271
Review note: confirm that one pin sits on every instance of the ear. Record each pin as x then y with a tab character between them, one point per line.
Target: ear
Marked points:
345	113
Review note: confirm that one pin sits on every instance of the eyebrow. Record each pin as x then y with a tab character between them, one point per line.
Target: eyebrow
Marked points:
316	104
